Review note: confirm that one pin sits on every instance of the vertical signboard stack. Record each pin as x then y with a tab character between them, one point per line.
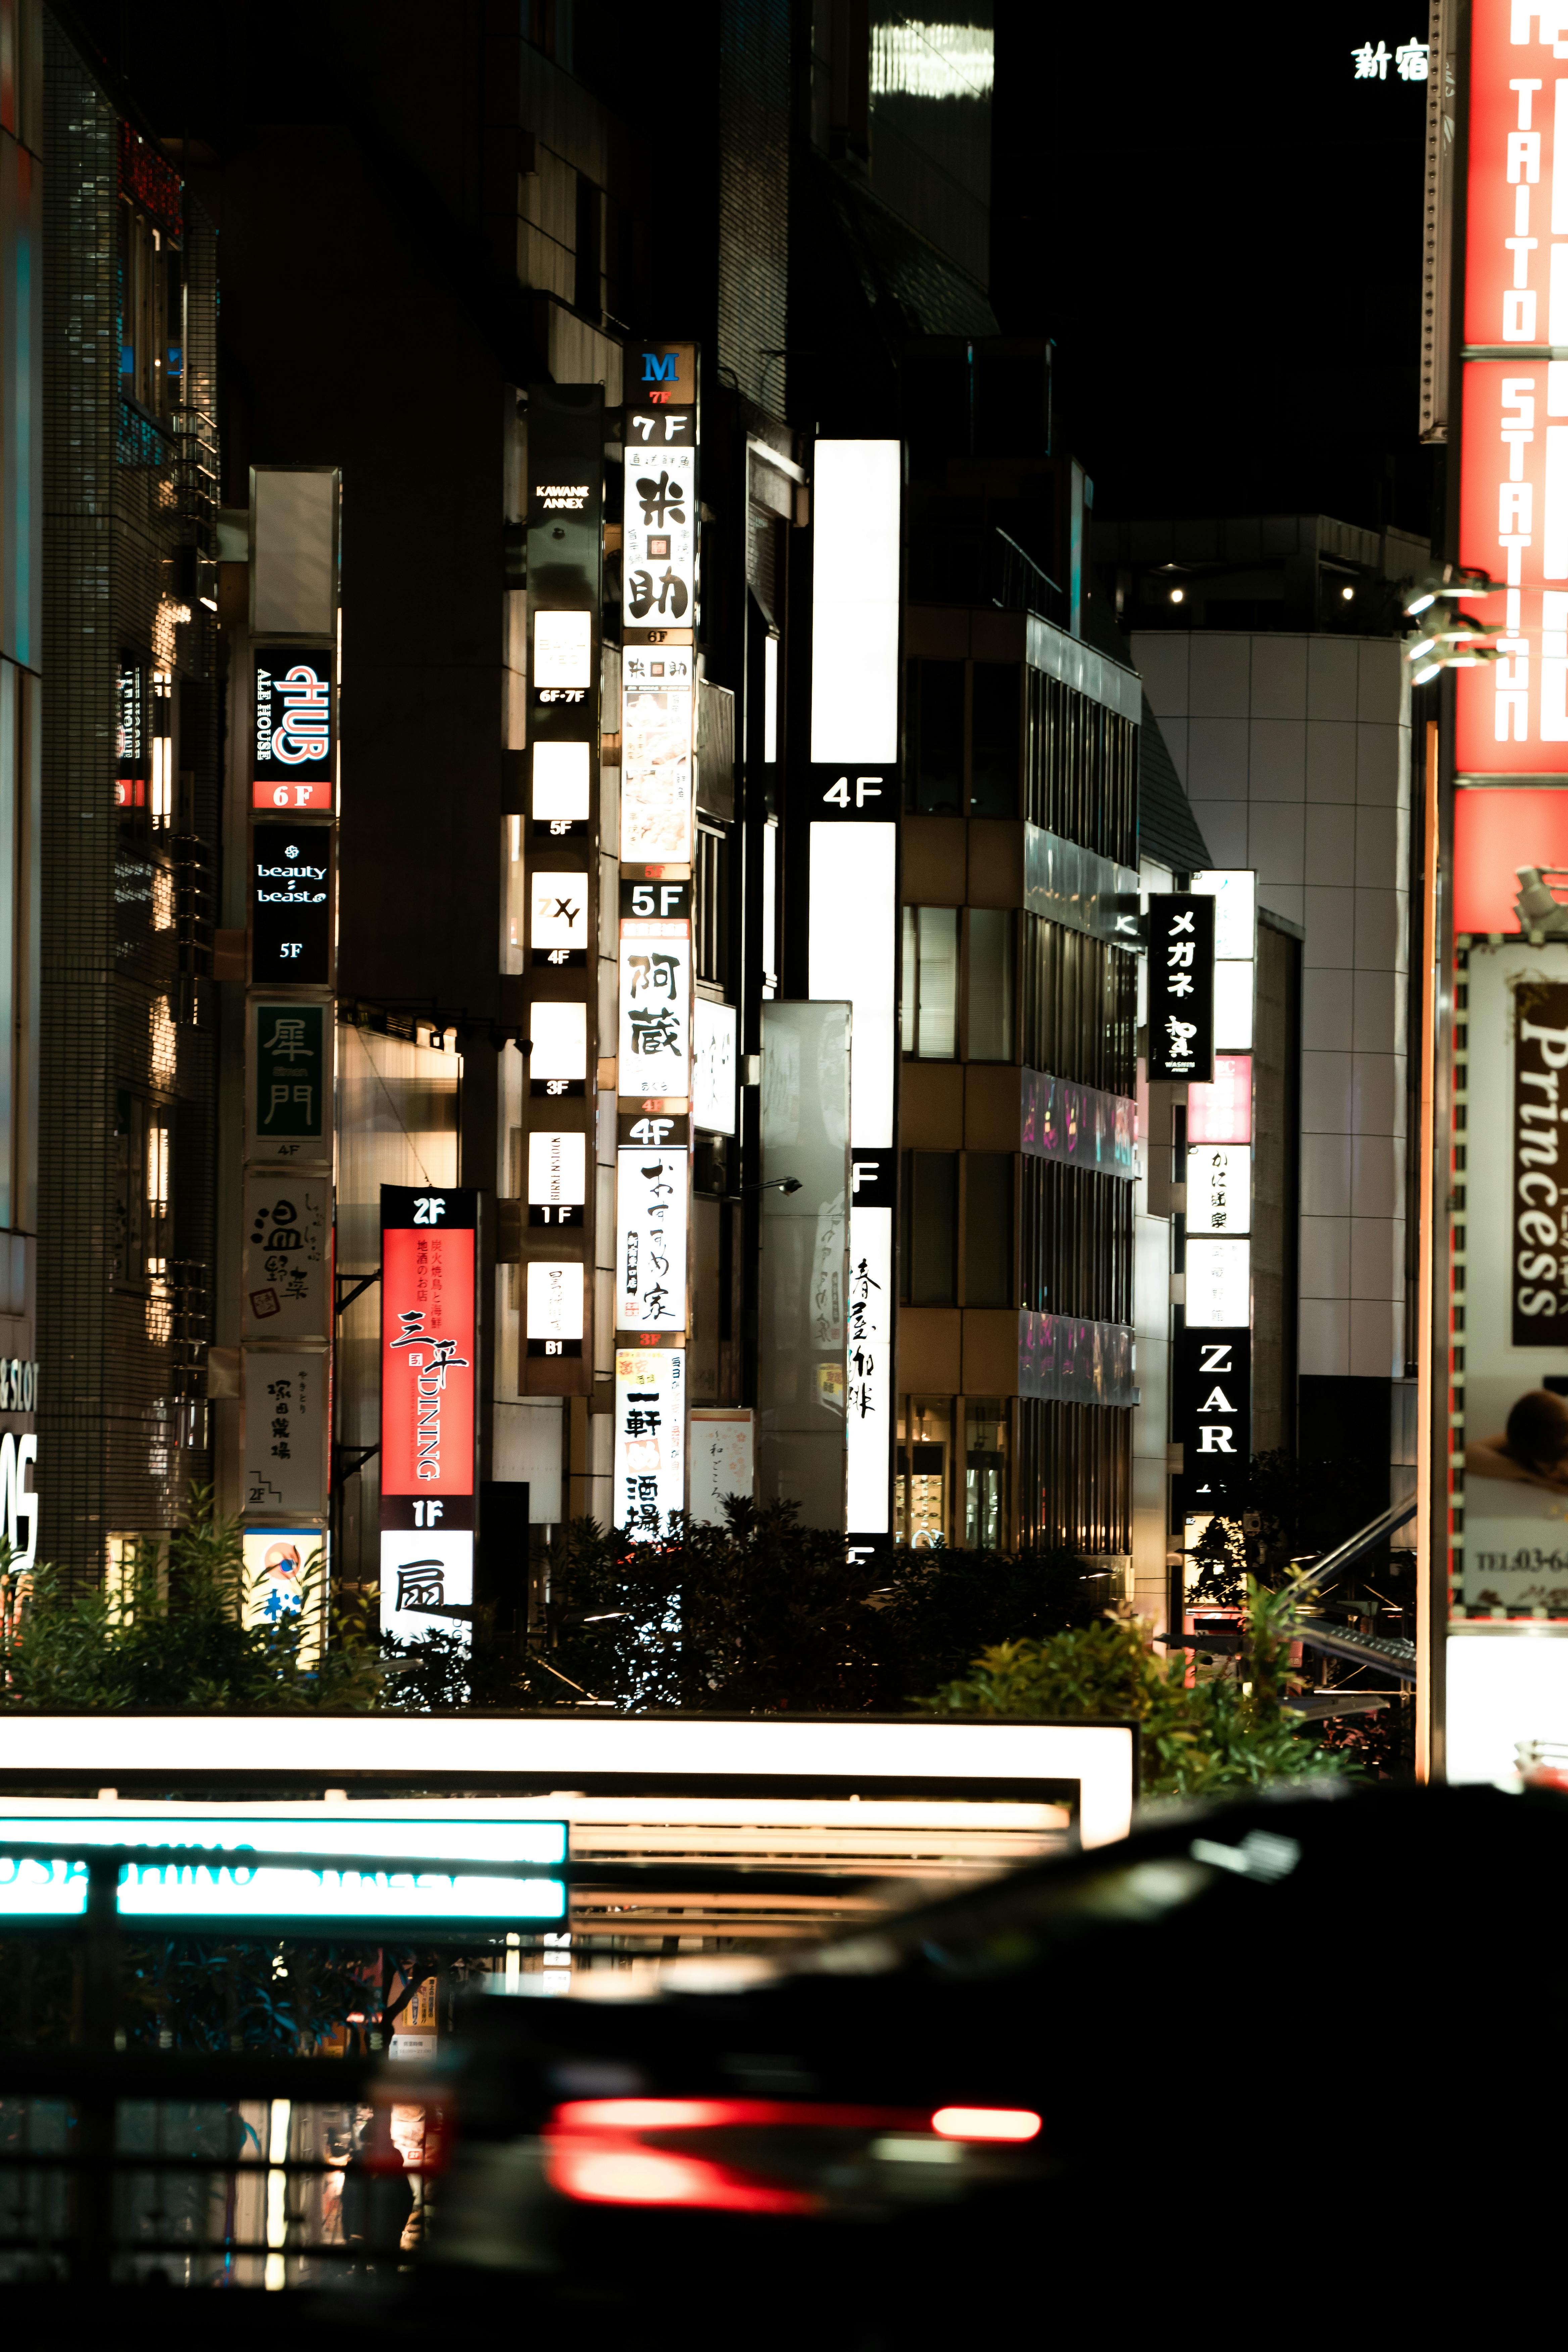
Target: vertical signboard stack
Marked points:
290	767
565	552
653	1044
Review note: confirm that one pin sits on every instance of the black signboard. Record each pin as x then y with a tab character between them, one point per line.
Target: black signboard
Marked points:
871	794
291	905
1180	986
1213	1412
292	728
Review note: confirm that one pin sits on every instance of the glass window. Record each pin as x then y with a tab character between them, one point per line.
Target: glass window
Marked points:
927	1019
994	766
936	716
990	984
930	1228
985	1473
988	1230
921	1487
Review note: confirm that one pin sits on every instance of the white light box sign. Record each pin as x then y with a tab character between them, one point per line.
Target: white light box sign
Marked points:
425	1572
1220	1189
654	1042
963	1758
856	494
559	921
560	784
650	1239
1233	1007
563	650
555	1293
649	1473
656	718
560	1039
870	1369
1233	890
853	946
714	1066
557	1169
1218	1285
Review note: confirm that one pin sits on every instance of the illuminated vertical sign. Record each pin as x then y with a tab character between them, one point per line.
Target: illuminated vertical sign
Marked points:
1213	1411
649	1471
868	1379
131	744
854	902
657	722
292	731
655	1043
428	1353
291	905
552	1317
660	540
557	1177
1219	1188
651	1194
713	1072
1512	714
1180	986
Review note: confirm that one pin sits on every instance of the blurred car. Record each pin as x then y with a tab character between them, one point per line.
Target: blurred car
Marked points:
1138	2061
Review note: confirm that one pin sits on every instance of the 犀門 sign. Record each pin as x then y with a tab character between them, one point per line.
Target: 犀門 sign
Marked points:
429	1330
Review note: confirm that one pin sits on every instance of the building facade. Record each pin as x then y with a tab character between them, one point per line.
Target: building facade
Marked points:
130	754
21	719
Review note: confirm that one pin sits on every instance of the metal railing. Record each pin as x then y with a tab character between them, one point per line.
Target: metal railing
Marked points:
240	2168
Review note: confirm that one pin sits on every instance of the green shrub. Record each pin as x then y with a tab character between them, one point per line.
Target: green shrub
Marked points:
1196	1741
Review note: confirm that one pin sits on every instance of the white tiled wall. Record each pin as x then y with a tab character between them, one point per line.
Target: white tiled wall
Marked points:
1295	752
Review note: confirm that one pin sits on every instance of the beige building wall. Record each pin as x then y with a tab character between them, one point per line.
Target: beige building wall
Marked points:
1295	753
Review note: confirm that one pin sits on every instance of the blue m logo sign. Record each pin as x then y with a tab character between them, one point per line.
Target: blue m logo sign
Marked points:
659	370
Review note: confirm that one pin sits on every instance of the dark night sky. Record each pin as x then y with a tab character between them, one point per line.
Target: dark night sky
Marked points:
1220	228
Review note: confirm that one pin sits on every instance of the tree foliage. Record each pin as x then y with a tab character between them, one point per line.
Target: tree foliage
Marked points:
174	1640
1195	1740
763	1616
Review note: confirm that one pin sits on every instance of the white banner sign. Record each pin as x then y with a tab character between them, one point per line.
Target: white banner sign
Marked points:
423	1574
560	917
1218	1285
557	1169
1219	1188
288	1256
654	1044
650	1240
563	649
660	545
869	1421
656	714
650	1440
714	1066
555	1299
285	1434
722	1451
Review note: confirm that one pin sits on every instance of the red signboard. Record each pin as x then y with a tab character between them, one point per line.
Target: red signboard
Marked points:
1514	281
1222	1113
1496	832
429	1330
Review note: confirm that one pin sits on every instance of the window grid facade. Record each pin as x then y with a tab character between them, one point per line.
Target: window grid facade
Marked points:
1074	1232
1078	1006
